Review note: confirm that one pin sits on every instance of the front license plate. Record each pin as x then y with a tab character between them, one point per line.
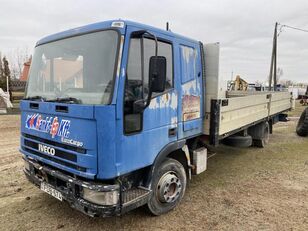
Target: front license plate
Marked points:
51	191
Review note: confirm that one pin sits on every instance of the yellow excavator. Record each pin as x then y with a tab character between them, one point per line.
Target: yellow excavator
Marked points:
239	84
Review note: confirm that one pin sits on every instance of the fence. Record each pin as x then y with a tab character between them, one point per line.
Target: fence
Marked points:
17	85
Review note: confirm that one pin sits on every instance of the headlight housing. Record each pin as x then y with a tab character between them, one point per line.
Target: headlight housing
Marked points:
101	198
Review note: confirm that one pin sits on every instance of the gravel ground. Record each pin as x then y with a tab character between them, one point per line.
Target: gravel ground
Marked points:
243	189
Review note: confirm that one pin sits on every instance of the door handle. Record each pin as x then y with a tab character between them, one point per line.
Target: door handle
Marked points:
172	132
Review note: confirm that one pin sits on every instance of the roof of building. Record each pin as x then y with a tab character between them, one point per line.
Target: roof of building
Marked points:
25	71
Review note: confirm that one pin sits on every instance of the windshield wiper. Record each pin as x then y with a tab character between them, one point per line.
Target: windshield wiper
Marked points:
66	100
37	98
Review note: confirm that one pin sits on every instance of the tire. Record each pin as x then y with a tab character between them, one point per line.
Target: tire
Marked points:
302	125
260	143
238	141
168	187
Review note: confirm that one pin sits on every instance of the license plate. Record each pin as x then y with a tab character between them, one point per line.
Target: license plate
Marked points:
51	191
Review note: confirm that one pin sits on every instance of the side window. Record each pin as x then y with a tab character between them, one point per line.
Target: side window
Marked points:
133	87
188	63
137	80
134	72
164	49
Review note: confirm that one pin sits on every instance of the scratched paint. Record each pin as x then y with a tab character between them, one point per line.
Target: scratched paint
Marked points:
188	63
174	120
191	88
190	91
164	101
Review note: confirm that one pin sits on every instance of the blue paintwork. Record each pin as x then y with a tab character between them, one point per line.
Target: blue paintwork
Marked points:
82	128
191	79
110	152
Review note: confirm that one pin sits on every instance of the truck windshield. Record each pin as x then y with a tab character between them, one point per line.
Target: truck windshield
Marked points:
78	69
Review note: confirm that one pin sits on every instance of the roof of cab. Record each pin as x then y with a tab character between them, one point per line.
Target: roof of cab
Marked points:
105	25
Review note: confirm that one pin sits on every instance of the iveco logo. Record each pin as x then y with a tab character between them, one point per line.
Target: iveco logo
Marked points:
46	149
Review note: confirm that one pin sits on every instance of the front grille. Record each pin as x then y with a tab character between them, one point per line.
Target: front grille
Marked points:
58	153
45	156
54	143
32	146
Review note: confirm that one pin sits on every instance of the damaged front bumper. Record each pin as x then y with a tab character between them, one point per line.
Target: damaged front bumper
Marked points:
112	200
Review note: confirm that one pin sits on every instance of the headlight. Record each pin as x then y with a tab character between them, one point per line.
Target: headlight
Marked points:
101	198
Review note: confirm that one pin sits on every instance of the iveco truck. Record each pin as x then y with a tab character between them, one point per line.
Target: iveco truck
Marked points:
118	115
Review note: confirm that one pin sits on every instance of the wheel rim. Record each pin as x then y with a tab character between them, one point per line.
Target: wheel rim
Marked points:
169	187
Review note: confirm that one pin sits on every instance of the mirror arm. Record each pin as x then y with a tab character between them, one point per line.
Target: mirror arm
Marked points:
156	41
141	33
150	78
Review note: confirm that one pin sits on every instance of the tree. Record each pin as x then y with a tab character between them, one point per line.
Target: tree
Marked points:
287	82
1	68
17	58
279	73
6	74
6	68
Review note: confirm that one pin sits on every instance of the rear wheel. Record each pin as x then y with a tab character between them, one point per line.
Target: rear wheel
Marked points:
168	187
264	140
302	125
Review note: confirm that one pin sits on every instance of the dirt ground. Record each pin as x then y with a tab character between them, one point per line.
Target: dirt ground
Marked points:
243	189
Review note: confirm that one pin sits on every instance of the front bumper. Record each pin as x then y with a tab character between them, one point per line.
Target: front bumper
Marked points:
71	190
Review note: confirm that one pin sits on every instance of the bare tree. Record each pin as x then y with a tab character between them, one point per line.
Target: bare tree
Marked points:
287	82
1	68
17	59
279	73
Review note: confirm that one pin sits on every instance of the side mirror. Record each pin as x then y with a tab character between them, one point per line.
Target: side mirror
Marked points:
157	73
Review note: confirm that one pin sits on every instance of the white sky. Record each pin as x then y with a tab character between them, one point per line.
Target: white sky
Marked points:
244	28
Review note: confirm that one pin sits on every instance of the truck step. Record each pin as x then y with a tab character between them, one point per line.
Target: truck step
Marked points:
133	195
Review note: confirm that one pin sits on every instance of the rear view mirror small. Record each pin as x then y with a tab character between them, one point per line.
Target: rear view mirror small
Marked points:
157	73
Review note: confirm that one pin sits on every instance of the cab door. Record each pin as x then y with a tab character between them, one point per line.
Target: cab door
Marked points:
141	136
191	89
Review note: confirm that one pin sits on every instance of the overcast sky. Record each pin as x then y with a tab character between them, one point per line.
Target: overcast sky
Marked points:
243	27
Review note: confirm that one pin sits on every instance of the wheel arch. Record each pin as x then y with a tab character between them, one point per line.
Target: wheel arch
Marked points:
172	150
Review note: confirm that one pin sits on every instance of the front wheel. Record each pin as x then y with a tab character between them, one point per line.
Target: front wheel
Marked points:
168	187
302	125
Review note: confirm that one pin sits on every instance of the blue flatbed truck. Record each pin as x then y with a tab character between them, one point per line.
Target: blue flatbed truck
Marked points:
118	115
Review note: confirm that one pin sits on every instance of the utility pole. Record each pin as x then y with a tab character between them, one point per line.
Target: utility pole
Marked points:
273	69
273	76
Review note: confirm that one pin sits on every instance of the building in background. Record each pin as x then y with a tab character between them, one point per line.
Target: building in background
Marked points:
25	71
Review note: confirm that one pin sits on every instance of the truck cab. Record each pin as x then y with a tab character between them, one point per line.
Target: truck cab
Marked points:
108	114
119	114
